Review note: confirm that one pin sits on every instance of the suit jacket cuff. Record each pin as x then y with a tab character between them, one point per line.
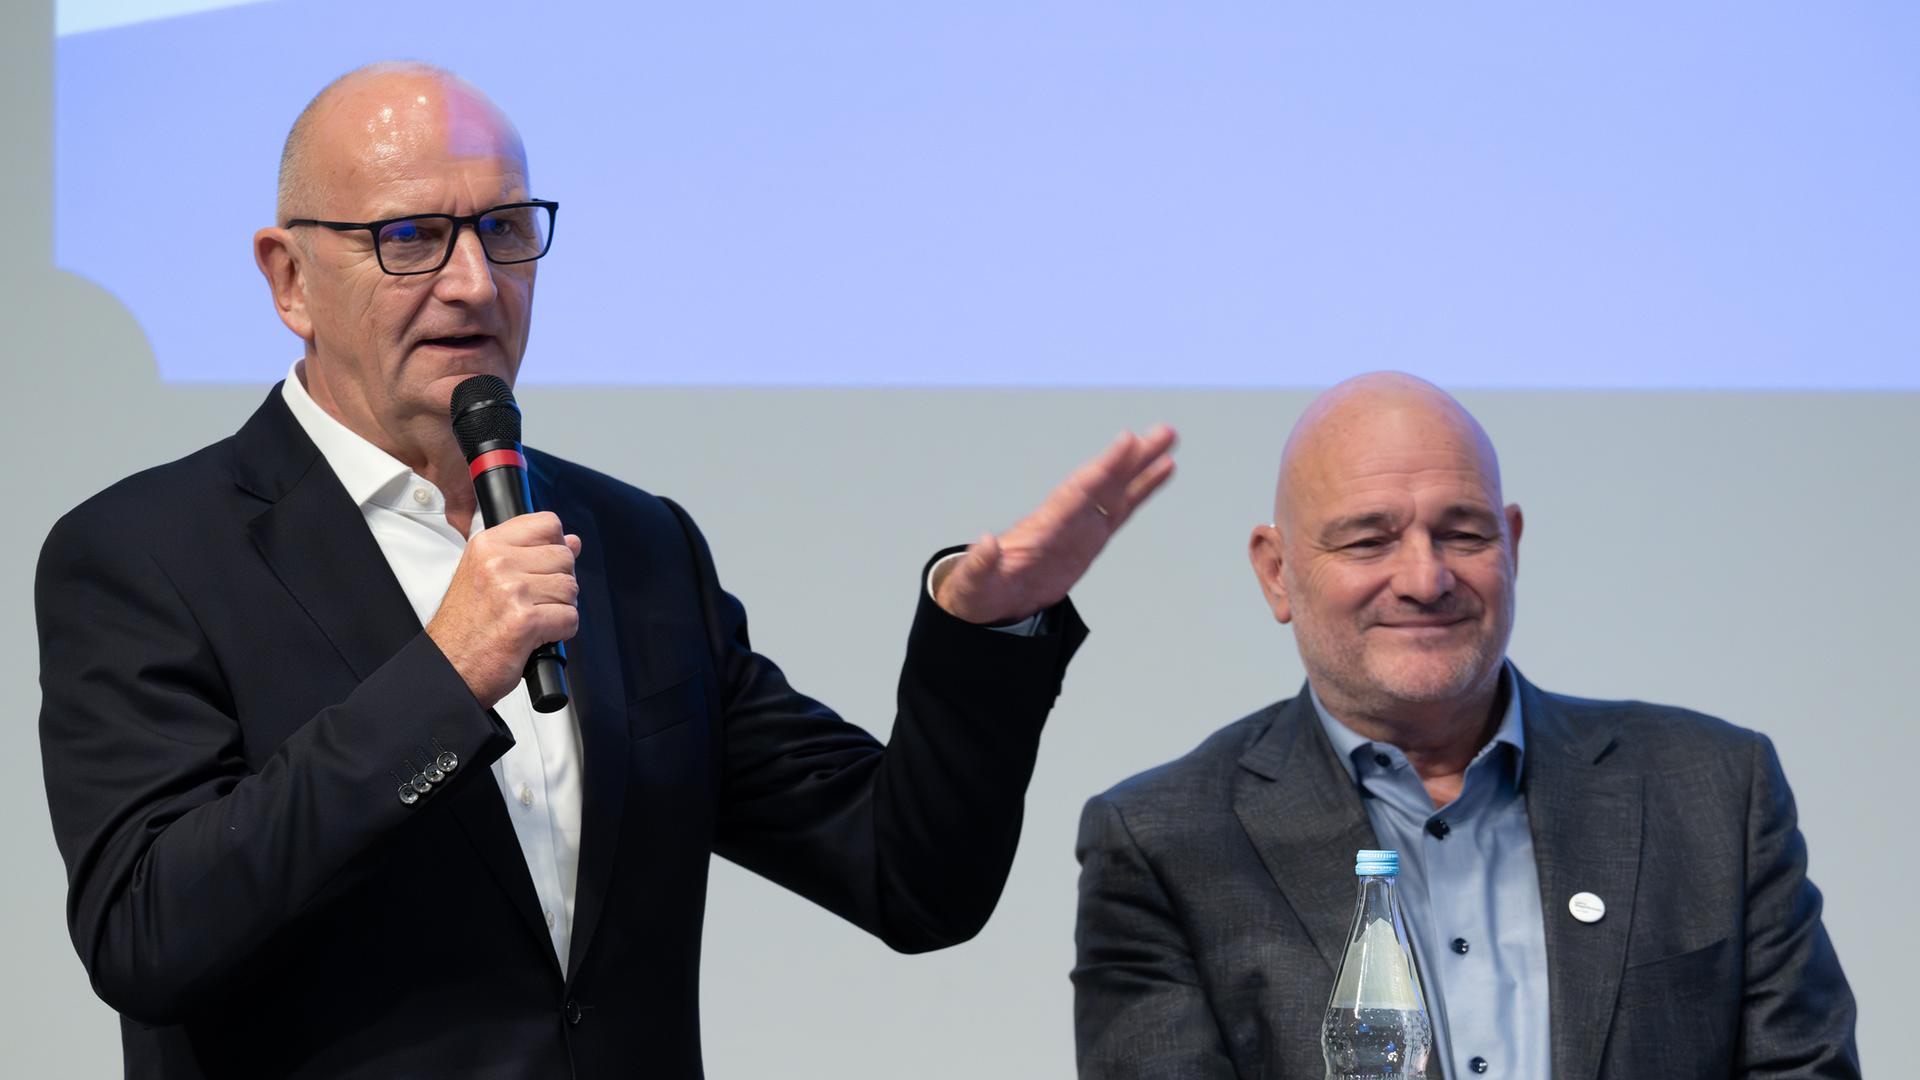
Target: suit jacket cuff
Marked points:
964	661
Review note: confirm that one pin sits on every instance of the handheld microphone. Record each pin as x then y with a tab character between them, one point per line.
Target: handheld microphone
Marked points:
486	420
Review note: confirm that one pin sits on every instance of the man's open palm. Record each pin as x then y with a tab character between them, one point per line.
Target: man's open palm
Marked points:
1030	567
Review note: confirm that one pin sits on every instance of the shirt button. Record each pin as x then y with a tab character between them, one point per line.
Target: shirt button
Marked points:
1460	945
526	795
422	496
572	1011
549	916
1438	828
1382	760
1478	1064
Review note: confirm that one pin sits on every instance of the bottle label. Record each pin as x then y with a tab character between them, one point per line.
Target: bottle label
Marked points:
1376	974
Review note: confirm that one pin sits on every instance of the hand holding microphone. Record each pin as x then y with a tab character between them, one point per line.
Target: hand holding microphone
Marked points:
512	597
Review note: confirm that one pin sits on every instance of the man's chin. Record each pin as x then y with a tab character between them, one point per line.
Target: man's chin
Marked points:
446	377
1429	678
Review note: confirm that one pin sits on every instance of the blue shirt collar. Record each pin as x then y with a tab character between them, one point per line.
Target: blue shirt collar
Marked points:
1348	743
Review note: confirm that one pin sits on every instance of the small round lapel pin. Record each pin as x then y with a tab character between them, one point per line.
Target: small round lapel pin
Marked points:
1587	907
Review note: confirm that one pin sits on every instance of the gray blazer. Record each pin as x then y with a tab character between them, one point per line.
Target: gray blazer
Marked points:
1215	893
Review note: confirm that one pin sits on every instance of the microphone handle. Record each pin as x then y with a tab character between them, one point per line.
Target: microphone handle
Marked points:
502	493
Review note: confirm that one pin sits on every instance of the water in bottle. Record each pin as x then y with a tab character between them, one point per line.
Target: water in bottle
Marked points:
1376	1026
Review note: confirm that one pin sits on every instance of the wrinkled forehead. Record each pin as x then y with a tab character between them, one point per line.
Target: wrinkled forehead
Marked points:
1386	454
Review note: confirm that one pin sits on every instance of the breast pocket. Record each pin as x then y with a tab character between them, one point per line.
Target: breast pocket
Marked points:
1678	1014
675	702
1672	979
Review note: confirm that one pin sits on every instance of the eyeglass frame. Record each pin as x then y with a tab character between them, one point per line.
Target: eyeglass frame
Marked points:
453	236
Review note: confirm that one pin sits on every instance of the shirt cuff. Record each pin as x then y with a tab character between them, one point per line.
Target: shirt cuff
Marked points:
937	573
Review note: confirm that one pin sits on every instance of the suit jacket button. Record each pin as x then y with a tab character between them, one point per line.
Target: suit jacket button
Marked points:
1478	1064
408	796
572	1011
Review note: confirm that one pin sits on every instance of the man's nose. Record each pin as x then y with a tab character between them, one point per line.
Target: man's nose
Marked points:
1420	573
468	276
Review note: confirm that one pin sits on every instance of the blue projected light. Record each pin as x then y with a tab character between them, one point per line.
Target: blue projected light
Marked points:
1633	195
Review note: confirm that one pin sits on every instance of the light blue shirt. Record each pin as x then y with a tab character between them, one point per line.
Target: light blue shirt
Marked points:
1469	894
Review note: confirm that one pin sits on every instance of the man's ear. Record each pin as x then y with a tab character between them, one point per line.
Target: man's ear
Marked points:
1263	551
1515	522
283	263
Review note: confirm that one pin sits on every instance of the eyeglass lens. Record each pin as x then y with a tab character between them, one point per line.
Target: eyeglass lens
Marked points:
516	234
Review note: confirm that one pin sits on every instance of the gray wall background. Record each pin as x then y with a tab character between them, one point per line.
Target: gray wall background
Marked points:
1746	554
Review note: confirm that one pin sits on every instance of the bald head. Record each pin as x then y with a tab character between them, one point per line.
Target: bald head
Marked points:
386	332
1392	556
377	116
1365	419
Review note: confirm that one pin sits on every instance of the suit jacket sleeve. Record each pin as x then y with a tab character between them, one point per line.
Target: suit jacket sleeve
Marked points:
911	841
182	862
1799	1015
1139	1010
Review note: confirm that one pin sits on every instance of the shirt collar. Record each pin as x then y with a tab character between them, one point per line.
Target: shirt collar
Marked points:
371	475
1347	742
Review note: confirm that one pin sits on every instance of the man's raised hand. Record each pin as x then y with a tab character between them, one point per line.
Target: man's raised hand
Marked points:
1030	567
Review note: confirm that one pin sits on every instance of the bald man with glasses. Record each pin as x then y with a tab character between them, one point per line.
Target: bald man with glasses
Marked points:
313	827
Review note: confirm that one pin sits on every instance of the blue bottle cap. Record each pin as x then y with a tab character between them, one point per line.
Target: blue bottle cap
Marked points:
1376	863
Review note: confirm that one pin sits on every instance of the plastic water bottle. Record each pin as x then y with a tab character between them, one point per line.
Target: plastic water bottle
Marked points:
1377	1026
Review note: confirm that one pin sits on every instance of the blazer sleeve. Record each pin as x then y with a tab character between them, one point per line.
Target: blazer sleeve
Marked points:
1139	1010
1799	1015
913	840
182	862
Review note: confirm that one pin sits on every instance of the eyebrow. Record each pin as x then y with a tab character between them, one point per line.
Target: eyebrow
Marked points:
390	214
1478	515
1385	521
1373	519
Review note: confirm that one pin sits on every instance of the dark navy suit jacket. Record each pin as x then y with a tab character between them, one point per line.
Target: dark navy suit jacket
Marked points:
235	686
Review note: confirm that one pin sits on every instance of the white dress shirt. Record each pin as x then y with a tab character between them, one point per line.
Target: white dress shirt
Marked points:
540	777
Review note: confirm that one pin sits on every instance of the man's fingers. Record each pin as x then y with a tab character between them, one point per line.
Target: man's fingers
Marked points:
1160	439
967	589
556	622
1111	483
553	589
1099	480
984	553
1097	473
1144	452
1149	480
1143	485
529	530
550	559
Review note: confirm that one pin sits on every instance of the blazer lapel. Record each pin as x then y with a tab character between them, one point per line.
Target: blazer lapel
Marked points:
1585	819
598	692
319	546
1305	819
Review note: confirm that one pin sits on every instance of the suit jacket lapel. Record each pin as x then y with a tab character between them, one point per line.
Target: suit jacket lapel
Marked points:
319	546
1305	819
317	543
1585	820
598	691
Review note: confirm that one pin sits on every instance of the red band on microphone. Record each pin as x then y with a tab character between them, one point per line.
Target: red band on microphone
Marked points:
494	459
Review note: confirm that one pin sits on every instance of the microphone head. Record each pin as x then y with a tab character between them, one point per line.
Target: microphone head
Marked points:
483	412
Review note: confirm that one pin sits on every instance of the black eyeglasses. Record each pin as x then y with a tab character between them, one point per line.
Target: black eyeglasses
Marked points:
423	243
